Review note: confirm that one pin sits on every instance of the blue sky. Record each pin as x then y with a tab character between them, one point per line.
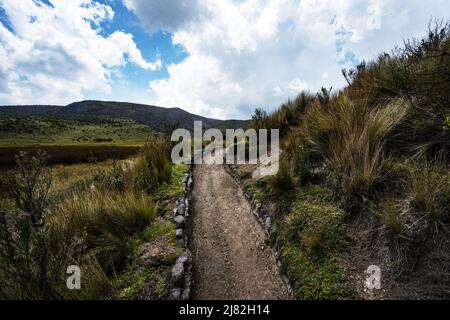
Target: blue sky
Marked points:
215	58
151	44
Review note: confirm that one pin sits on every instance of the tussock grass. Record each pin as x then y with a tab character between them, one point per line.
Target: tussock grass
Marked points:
285	117
154	165
350	136
427	188
283	180
109	220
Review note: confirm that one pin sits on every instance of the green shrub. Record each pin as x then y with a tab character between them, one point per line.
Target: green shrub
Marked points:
30	184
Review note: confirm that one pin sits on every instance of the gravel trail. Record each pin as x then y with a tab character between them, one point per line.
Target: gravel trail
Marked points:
230	258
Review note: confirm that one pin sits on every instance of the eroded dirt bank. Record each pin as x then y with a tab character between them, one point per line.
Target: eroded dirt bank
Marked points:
230	259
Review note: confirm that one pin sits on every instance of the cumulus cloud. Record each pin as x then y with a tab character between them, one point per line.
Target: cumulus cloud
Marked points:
169	15
55	53
249	53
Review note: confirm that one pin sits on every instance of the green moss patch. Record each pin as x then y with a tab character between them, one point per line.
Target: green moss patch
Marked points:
174	187
139	284
314	233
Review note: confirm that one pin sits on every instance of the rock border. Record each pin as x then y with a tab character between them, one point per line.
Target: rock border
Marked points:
181	273
265	220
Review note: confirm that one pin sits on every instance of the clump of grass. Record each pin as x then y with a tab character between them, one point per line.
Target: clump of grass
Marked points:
390	214
417	72
294	146
110	221
285	117
350	137
428	188
154	166
283	180
113	179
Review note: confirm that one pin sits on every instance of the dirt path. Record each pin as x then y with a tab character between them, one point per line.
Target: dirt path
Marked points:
231	260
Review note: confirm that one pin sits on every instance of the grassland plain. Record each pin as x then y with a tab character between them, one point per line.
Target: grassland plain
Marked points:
71	141
40	131
70	154
64	178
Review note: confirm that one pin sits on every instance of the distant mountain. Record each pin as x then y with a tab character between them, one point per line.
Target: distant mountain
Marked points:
156	117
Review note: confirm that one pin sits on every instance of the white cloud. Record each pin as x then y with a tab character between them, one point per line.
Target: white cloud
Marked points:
249	53
57	53
298	85
169	15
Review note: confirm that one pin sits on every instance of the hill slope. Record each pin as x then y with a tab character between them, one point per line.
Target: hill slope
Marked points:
157	118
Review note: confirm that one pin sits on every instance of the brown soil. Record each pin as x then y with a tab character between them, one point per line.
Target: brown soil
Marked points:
231	259
425	275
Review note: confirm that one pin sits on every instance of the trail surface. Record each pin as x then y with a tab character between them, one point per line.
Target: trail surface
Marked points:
231	260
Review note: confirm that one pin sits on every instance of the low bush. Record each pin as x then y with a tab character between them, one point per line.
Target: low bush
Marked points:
30	184
34	262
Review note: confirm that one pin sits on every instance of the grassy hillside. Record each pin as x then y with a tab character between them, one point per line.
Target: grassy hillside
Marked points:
378	152
157	118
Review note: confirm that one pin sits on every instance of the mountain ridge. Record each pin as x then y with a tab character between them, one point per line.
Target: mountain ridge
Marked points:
157	117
